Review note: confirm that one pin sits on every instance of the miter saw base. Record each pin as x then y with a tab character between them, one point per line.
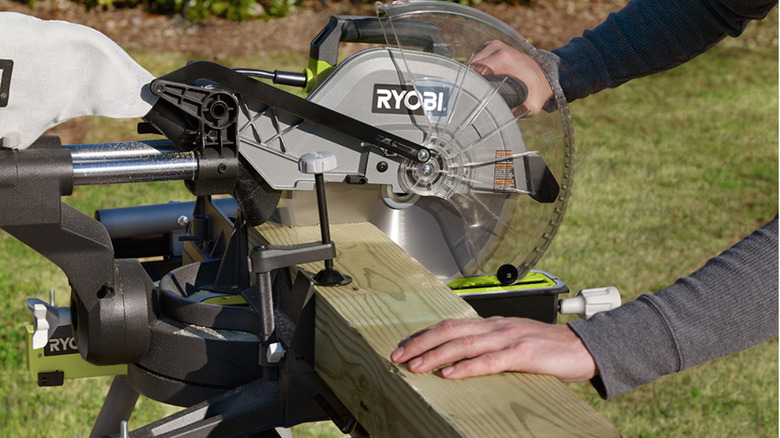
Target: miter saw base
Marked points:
200	296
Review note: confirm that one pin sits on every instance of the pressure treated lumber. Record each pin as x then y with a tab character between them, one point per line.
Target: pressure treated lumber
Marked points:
391	297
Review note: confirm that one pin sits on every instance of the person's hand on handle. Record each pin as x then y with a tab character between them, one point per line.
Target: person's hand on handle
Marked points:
498	59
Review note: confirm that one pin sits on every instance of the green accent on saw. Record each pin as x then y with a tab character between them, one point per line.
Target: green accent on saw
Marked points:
227	300
315	73
534	280
72	365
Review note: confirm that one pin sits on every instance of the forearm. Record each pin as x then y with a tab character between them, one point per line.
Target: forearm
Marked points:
728	305
648	36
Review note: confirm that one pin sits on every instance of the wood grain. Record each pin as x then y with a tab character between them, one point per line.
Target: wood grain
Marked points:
391	297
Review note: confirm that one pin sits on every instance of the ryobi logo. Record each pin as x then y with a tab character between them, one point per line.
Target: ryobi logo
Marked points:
61	342
399	99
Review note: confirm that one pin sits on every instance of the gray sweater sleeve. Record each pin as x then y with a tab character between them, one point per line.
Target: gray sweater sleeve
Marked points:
728	305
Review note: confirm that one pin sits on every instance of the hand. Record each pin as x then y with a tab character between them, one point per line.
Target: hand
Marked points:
497	58
487	346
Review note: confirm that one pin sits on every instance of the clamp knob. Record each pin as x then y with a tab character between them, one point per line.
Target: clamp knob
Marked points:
46	319
275	352
590	302
11	140
317	162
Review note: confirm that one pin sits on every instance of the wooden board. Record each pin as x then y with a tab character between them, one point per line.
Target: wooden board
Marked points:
391	297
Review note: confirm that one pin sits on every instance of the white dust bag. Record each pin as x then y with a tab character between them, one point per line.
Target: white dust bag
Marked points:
53	71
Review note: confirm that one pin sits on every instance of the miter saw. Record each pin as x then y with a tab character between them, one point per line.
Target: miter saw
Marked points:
402	134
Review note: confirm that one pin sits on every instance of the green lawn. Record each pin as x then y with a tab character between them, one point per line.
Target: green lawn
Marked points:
670	170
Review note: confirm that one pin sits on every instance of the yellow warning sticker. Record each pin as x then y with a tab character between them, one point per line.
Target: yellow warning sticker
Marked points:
503	172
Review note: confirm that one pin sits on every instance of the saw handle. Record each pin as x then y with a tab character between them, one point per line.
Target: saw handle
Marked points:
513	90
357	29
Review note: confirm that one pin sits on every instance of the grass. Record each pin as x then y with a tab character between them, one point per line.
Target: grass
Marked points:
670	170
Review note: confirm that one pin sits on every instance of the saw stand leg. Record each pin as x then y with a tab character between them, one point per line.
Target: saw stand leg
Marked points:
117	407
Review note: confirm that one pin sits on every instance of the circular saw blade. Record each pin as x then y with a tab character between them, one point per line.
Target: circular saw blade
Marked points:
484	198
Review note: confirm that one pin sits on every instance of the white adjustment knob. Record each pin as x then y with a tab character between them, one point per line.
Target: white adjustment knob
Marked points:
317	162
590	302
11	140
275	352
46	319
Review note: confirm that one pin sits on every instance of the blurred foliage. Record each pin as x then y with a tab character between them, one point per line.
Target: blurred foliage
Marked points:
237	10
197	10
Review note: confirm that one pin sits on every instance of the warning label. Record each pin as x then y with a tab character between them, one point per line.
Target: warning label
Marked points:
504	172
